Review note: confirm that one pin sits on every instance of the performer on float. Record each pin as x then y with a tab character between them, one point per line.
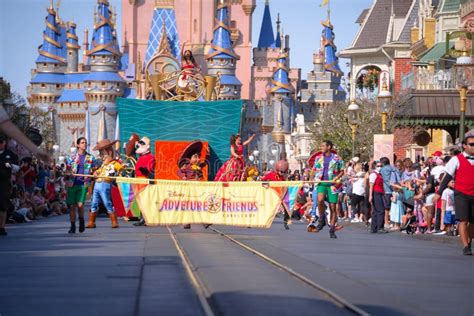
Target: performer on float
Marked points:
279	174
327	167
189	67
234	168
103	184
76	186
145	166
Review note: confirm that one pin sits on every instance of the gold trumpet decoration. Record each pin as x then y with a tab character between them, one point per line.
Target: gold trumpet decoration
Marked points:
184	85
155	84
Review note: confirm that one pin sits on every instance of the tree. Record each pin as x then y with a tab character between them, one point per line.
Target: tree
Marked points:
332	124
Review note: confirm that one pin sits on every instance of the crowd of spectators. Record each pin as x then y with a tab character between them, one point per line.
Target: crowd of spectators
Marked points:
388	197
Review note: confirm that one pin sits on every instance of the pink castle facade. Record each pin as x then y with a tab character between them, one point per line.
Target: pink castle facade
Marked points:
195	22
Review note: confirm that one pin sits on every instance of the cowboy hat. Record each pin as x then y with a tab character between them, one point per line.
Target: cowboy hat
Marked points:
105	143
193	148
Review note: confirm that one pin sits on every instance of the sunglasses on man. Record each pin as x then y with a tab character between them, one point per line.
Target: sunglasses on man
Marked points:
140	142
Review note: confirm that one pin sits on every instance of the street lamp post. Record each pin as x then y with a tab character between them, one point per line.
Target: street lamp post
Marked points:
464	71
353	119
384	100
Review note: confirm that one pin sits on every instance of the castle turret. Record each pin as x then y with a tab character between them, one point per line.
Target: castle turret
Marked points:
103	84
72	45
324	81
331	62
103	54
47	79
266	38
221	58
282	93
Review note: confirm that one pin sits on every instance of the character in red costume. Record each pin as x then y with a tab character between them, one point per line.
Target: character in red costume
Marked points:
146	161
234	168
279	174
145	166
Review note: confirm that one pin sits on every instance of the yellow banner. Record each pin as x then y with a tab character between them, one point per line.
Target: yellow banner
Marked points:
186	202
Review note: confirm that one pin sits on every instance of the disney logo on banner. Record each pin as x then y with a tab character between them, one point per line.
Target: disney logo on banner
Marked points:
175	194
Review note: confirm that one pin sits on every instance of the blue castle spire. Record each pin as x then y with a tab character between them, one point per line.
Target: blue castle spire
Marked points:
266	39
51	51
103	40
331	62
278	35
72	47
280	82
221	58
221	45
72	41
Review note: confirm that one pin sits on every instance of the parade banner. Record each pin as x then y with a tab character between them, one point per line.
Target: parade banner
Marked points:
247	204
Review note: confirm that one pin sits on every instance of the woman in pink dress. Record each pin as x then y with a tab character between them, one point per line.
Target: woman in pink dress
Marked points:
233	169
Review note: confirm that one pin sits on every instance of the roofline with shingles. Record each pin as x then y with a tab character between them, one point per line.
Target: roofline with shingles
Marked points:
367	16
407	17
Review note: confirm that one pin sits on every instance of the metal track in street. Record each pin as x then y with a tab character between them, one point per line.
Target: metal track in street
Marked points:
331	295
201	291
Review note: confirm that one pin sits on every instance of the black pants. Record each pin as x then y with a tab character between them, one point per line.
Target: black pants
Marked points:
378	212
358	203
438	219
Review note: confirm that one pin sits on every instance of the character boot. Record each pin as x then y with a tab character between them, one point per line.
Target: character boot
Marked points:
140	223
113	219
92	217
72	230
82	226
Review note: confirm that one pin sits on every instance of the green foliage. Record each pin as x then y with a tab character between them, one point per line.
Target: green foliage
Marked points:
332	124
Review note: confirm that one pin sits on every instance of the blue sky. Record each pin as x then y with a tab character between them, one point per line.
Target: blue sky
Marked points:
22	24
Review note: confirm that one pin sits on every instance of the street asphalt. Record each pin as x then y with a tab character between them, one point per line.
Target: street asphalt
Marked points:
137	271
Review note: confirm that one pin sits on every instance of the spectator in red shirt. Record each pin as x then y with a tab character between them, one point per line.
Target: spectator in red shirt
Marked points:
29	175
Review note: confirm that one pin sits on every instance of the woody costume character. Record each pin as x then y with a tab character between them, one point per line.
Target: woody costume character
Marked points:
81	162
234	168
145	166
103	184
327	166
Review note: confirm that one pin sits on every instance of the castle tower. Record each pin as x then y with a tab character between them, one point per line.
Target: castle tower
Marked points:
221	58
265	60
324	81
47	80
103	84
282	94
72	45
195	27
